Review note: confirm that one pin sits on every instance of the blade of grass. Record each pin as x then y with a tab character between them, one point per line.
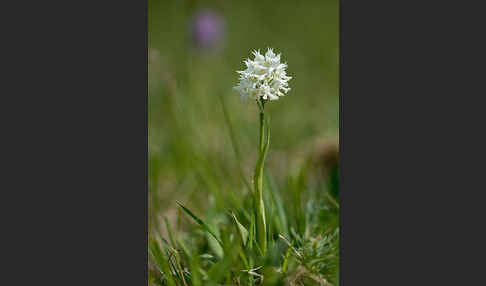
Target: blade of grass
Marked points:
281	216
233	143
251	234
290	244
201	223
174	251
270	212
184	248
286	258
179	268
209	257
170	254
235	202
169	231
161	262
194	266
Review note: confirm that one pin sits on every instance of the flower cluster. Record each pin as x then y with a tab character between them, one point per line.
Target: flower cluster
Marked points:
263	78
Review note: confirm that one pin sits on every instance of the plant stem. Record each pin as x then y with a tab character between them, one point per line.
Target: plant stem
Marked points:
262	131
261	231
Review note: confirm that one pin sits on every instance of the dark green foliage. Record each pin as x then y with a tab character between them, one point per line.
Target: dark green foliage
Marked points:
306	255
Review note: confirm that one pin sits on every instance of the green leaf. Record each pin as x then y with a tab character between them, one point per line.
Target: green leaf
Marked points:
201	223
241	230
287	256
209	257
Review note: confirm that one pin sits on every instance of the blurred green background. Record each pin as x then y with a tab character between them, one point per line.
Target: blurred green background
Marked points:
191	156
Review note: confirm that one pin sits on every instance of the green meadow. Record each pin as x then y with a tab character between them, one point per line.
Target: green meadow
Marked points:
204	145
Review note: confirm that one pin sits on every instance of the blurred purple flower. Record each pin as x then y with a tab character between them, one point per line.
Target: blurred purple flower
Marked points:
207	30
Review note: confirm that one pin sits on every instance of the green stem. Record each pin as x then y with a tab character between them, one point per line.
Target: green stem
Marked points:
262	131
261	231
262	125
